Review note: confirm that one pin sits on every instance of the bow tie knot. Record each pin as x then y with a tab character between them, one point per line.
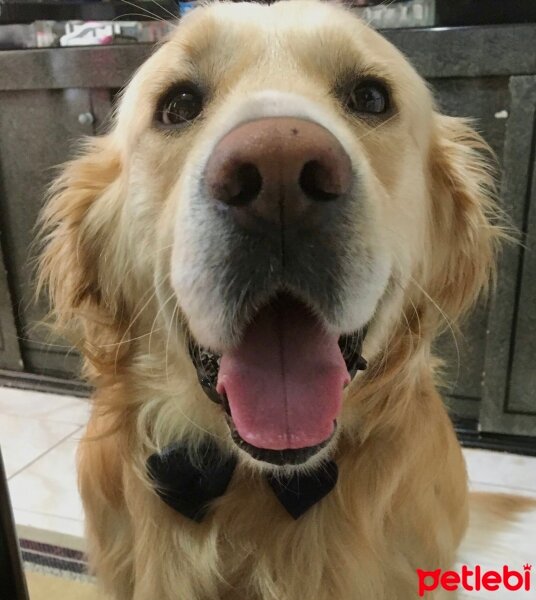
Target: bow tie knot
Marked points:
188	486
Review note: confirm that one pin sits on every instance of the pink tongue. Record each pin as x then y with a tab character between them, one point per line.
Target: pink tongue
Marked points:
284	382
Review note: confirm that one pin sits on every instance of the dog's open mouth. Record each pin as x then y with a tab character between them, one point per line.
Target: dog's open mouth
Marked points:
282	386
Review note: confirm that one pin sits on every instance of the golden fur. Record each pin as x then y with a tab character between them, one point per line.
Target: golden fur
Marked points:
401	502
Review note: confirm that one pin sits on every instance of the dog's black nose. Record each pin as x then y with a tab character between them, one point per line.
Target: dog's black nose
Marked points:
278	170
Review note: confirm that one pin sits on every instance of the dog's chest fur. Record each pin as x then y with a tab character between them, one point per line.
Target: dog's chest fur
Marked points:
363	541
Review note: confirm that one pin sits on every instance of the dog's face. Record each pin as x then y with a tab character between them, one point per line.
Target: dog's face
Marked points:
276	190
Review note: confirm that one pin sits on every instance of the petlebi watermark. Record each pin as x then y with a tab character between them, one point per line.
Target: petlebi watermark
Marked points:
475	579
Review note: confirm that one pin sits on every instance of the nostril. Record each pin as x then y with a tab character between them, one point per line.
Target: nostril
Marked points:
317	182
245	185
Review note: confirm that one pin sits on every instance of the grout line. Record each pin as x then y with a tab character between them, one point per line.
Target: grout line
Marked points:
32	462
7	391
50	415
44	514
45	417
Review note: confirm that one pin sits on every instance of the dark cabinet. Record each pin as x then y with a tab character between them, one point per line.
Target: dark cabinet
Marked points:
487	73
39	130
492	368
10	356
509	391
487	99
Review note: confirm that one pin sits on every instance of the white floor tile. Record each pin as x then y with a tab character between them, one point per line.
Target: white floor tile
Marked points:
492	470
501	489
28	520
48	486
39	405
23	440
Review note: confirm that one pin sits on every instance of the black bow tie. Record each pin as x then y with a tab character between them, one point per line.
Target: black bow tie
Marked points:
189	486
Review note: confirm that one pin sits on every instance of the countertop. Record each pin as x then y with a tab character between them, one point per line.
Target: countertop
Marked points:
497	50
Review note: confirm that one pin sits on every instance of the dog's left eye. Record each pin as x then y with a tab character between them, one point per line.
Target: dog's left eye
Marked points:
370	97
182	105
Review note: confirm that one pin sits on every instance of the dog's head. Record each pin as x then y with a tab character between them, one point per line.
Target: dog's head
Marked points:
276	184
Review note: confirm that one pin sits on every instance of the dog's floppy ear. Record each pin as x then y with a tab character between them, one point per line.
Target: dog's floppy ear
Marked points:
75	226
465	230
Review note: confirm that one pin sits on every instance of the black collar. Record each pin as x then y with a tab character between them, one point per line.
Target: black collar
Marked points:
189	486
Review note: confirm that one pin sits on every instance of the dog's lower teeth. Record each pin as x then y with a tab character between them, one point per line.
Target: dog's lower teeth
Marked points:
207	365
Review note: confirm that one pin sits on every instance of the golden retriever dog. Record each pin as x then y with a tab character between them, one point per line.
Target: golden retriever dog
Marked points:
255	261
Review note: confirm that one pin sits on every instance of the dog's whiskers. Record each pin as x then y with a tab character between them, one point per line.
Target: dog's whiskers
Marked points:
451	327
132	321
448	323
132	267
376	127
173	16
146	11
174	316
160	311
386	4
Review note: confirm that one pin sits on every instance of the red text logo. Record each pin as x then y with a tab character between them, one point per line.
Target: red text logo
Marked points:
475	579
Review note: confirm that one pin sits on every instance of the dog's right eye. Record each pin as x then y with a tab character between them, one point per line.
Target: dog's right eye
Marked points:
180	106
369	97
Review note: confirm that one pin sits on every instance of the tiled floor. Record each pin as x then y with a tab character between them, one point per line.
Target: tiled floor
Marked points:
39	433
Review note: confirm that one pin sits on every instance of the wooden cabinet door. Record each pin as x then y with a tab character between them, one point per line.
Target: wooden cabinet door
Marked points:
487	101
491	364
39	130
509	378
10	356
